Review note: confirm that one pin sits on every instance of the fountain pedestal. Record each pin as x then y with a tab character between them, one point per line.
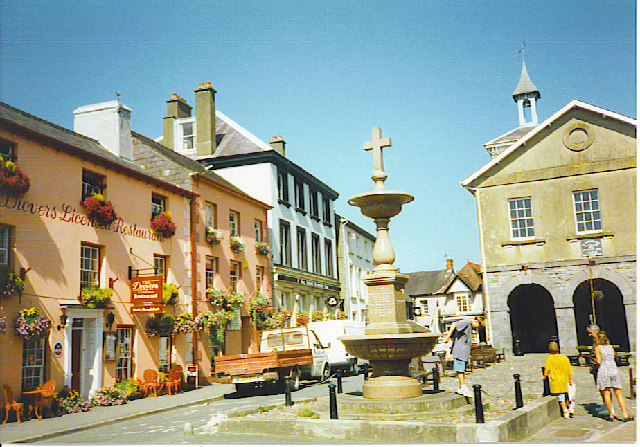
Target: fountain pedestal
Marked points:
389	341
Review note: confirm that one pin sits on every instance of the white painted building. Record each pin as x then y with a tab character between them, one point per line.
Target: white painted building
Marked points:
355	260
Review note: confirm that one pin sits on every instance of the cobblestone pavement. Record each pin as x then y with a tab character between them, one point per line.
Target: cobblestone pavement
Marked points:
496	381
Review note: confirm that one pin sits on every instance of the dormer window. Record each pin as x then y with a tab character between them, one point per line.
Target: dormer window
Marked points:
187	135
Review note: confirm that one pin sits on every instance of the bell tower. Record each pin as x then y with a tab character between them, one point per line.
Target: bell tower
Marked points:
525	95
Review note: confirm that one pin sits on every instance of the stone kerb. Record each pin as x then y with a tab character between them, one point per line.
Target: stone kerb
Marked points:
512	427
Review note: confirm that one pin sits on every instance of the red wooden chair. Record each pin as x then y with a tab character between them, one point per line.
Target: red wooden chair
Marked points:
174	382
150	382
11	404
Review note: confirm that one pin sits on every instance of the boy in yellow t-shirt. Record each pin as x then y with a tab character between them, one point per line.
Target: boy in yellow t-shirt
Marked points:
560	373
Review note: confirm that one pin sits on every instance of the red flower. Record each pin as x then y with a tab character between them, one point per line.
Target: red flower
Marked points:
163	225
99	210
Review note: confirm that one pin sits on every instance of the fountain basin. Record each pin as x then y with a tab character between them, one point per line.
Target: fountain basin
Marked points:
380	204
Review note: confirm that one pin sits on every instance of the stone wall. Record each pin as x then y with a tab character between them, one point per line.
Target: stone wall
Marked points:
560	282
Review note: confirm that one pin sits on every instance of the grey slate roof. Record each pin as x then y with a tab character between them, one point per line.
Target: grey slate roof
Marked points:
56	134
428	282
511	136
524	84
233	139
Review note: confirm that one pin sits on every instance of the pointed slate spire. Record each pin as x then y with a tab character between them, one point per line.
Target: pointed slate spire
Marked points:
525	86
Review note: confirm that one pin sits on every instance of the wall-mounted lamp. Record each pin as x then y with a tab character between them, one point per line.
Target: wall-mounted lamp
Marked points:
110	319
112	281
63	320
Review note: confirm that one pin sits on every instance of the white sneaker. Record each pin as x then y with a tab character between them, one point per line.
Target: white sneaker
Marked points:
572	408
565	414
459	391
466	392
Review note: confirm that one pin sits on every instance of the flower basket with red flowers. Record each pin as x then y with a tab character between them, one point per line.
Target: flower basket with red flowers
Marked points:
13	182
212	236
236	243
262	248
163	225
99	210
302	318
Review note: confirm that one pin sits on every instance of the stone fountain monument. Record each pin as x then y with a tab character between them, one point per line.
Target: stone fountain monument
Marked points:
390	341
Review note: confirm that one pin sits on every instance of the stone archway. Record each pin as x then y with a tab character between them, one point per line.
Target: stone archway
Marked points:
610	313
532	317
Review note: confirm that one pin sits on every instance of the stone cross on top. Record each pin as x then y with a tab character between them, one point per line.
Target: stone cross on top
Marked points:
376	144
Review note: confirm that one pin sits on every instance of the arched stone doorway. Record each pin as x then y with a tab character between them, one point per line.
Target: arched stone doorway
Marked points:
610	315
533	317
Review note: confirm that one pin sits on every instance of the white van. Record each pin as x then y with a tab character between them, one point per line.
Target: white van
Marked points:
328	332
299	338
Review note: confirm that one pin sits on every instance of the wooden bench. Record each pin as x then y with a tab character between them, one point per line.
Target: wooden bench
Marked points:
483	355
622	358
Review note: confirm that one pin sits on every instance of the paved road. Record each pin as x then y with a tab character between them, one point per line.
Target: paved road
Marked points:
168	427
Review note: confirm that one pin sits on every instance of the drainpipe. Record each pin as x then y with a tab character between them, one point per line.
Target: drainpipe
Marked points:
345	259
194	265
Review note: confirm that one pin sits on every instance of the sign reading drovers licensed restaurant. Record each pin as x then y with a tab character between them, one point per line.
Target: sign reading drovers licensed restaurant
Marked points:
146	288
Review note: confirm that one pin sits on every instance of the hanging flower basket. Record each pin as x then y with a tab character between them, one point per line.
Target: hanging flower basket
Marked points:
31	325
302	318
598	295
259	307
236	243
170	294
185	323
13	182
212	236
235	300
262	248
3	324
160	325
94	297
10	284
99	210
216	297
163	225
216	323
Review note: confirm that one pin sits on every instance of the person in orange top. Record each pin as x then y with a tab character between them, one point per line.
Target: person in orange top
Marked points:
560	373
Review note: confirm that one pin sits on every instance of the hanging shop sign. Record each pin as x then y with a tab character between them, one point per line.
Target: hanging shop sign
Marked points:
146	288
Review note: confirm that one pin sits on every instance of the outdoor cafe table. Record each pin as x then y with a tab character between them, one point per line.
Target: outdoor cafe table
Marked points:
33	402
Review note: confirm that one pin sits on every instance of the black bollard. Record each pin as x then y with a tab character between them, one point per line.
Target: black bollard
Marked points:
436	378
287	392
477	398
546	389
517	349
519	403
333	402
339	377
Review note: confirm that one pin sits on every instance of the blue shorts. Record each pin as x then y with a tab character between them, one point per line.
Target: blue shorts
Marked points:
459	365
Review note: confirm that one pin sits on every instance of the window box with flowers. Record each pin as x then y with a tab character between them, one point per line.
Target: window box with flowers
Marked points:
185	323
280	319
262	248
13	182
31	325
163	225
302	318
94	297
170	294
318	315
236	243
160	325
10	284
99	210
235	301
213	236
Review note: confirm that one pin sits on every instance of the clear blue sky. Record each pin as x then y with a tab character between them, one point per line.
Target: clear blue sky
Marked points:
436	76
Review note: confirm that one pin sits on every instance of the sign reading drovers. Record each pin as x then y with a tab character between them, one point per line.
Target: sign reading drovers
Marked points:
146	288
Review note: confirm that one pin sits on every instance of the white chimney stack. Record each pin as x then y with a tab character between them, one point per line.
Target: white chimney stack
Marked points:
109	123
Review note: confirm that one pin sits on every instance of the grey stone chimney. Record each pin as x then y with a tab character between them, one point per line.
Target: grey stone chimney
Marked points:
277	143
177	107
109	123
205	120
